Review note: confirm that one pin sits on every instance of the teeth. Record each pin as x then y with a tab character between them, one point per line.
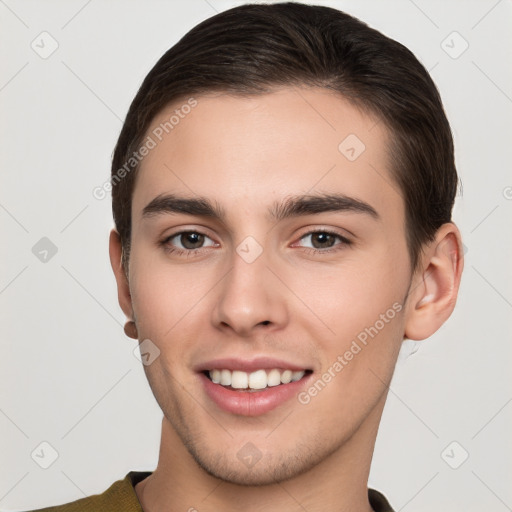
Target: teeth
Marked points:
297	376
274	378
225	377
286	377
239	380
258	379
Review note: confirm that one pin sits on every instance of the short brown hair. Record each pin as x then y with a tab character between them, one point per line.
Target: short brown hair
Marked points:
256	48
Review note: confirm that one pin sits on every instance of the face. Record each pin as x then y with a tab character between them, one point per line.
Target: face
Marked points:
268	244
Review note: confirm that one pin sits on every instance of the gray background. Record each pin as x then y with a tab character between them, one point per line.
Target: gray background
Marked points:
69	376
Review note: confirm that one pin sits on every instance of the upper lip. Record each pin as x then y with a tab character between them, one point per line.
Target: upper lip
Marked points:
248	365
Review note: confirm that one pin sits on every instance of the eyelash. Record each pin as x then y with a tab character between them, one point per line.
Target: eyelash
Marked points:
345	242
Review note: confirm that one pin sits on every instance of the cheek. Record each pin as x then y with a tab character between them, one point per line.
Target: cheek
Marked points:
154	293
352	295
358	366
361	304
166	296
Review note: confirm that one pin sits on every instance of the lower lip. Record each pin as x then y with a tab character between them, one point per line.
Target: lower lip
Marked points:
252	403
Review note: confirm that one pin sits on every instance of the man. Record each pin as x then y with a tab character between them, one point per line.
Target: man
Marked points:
282	191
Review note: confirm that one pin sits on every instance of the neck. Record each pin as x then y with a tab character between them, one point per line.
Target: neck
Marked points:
338	483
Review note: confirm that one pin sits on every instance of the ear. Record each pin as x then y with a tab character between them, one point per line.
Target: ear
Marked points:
434	288
123	287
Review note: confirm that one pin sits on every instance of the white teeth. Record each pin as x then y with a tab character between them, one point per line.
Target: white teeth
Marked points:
225	377
273	378
286	377
215	376
258	379
239	380
297	375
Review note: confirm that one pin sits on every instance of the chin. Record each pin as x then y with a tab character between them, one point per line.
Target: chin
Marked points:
268	470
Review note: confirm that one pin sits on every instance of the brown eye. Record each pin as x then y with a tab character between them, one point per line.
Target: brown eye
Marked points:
322	240
187	243
326	240
191	240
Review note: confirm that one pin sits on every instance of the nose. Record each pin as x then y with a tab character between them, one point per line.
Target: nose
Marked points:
250	298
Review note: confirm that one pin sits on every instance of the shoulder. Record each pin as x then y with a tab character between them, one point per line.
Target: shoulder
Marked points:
120	496
378	501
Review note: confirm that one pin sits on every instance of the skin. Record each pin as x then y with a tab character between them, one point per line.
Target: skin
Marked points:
290	303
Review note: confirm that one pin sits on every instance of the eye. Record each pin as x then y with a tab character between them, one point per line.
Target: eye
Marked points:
325	241
190	243
187	242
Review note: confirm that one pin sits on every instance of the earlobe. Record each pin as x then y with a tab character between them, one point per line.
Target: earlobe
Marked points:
123	287
433	293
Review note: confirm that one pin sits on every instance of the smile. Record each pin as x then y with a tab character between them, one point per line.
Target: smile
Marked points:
256	380
252	387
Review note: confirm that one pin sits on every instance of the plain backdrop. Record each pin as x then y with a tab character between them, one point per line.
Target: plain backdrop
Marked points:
68	375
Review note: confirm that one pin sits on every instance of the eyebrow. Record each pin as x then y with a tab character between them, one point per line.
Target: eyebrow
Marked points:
293	206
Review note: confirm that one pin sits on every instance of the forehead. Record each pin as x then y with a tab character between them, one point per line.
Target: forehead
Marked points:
254	150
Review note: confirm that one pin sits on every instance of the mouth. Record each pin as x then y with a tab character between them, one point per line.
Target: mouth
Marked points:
252	388
254	381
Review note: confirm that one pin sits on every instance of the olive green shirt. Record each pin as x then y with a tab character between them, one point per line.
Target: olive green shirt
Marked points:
121	497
